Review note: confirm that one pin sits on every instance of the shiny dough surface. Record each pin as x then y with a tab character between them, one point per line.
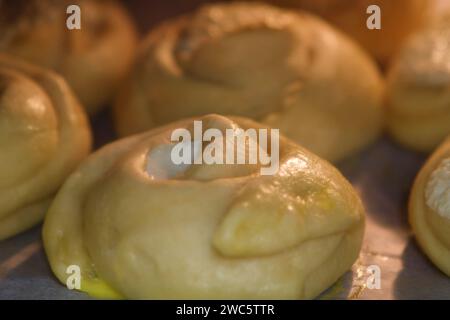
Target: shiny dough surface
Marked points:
288	70
44	134
432	228
213	231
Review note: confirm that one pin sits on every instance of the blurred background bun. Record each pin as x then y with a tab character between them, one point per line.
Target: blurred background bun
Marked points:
93	60
399	19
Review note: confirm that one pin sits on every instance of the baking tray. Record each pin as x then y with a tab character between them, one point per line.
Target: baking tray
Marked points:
382	174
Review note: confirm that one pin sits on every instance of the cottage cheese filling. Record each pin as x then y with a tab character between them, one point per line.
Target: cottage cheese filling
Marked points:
160	166
437	191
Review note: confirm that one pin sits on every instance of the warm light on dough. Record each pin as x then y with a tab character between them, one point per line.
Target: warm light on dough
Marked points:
289	70
206	231
44	134
93	60
418	90
429	209
398	20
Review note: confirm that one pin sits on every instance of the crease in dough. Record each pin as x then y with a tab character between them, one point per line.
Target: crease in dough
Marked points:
176	234
418	88
44	135
289	70
429	210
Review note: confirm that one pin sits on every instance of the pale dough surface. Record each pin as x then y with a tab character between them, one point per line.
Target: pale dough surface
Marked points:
432	228
289	70
418	89
214	231
44	134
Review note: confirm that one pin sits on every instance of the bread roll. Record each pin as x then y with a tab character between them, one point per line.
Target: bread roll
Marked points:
288	70
43	136
419	89
429	208
139	227
399	19
93	60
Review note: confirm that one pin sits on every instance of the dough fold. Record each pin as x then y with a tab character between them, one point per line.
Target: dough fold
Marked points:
209	232
44	134
418	89
429	212
288	70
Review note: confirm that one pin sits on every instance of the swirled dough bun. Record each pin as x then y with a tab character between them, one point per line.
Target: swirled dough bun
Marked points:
399	19
290	71
43	136
419	89
429	208
139	227
93	60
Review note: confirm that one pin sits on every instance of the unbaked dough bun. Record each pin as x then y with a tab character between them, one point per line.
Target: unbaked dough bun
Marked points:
44	134
139	227
289	70
419	89
93	60
399	19
429	208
